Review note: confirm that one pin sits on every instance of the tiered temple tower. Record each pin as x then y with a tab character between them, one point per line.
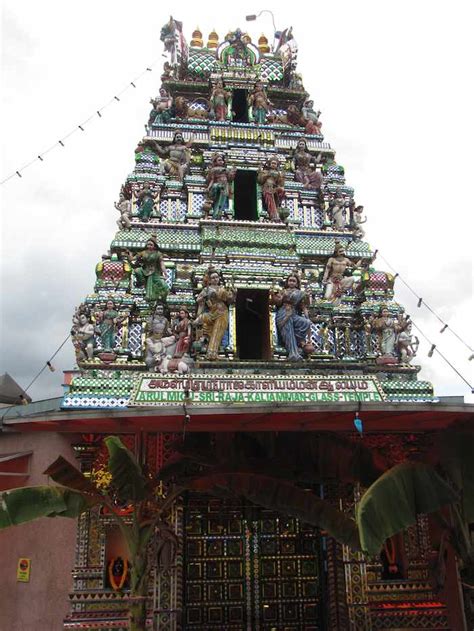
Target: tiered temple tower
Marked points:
239	294
233	176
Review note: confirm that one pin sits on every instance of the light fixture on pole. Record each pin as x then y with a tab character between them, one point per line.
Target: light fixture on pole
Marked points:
253	17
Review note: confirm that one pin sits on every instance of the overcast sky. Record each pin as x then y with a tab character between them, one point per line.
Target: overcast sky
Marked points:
394	83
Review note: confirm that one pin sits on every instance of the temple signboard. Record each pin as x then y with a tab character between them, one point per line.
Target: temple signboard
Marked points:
153	389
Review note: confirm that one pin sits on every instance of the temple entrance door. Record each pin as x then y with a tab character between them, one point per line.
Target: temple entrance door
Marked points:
240	110
245	196
247	569
253	324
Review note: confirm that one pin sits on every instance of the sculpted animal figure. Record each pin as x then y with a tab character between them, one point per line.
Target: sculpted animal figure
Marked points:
159	356
181	107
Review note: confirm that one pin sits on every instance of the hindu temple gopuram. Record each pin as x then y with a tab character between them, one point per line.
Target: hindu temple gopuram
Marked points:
239	303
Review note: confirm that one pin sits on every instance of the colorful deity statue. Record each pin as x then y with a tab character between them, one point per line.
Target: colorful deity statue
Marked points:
294	116
388	330
181	107
219	179
162	108
107	322
167	72
158	324
304	165
293	323
150	271
82	334
167	346
124	206
237	54
312	122
146	199
176	155
219	101
335	274
259	103
182	332
213	311
272	182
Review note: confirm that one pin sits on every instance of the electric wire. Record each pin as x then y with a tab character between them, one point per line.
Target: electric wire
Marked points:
435	348
421	301
48	362
46	365
80	127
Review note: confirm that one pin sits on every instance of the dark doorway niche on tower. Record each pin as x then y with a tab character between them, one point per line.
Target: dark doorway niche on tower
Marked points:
253	324
240	112
245	196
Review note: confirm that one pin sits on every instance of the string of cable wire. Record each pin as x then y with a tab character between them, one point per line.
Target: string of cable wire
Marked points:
80	127
422	302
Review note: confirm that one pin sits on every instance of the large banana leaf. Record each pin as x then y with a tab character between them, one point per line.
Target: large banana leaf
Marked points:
285	498
312	457
456	448
66	474
31	502
393	502
127	477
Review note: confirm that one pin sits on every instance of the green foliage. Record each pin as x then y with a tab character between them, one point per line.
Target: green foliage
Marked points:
456	448
393	502
66	474
295	456
284	498
31	502
127	477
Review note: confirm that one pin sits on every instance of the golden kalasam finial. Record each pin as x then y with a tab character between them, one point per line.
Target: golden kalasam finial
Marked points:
197	40
263	46
213	39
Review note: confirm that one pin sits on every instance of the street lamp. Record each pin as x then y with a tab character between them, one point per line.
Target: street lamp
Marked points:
252	18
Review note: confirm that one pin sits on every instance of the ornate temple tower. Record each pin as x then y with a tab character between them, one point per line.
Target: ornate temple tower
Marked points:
240	246
239	294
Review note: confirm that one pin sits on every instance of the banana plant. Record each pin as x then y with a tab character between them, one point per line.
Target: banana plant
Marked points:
74	494
271	471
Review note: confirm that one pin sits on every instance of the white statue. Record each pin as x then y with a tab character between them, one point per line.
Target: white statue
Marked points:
176	364
156	349
358	221
83	337
159	353
337	206
124	206
407	345
390	330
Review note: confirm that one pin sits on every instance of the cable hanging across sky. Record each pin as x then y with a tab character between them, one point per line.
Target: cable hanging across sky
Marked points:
422	302
81	126
116	99
433	348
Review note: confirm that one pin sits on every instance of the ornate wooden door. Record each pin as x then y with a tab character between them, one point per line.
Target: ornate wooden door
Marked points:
249	569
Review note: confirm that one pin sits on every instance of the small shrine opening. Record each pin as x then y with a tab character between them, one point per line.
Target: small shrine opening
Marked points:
240	113
253	324
245	196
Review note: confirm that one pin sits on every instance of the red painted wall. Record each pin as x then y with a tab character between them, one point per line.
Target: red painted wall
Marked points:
41	604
